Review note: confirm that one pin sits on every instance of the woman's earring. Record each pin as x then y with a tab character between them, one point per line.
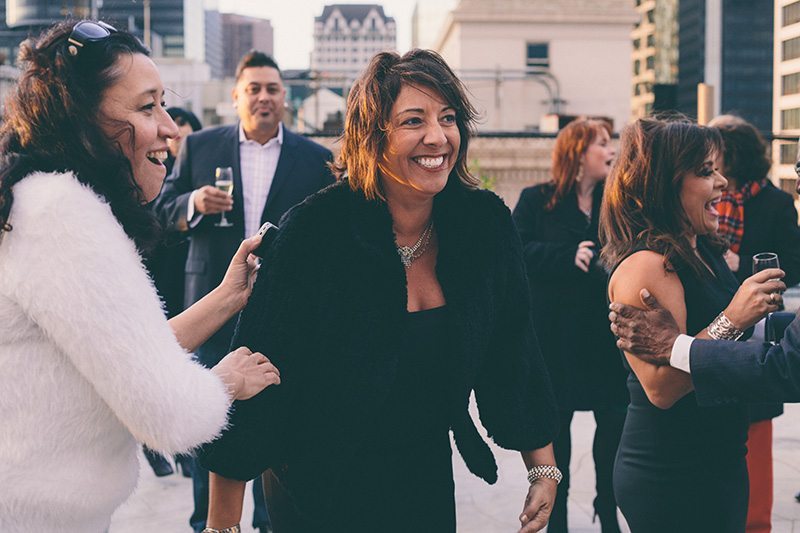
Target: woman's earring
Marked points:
579	177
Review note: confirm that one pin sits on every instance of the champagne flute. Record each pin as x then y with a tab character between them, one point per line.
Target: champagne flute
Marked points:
764	261
224	182
761	262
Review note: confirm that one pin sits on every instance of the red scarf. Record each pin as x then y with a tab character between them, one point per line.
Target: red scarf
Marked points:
731	211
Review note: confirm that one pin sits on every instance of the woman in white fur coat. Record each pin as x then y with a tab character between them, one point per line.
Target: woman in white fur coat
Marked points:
88	364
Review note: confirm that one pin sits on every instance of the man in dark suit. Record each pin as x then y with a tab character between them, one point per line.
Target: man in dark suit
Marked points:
723	372
273	169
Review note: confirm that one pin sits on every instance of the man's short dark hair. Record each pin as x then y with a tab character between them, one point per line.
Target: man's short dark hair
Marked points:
254	58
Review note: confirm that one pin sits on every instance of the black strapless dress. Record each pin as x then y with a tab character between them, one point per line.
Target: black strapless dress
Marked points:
683	469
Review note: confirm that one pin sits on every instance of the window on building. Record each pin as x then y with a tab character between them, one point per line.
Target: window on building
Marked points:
651	62
651	40
637	89
790	84
791	13
791	49
637	67
651	16
790	119
788	153
538	55
637	43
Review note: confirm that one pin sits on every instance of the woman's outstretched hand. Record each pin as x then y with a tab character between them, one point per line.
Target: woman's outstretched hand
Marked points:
245	373
538	505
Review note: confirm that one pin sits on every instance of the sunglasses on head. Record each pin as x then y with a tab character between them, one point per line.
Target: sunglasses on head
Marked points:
87	32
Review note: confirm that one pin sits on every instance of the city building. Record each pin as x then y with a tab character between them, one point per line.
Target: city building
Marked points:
786	92
240	34
678	45
346	36
525	59
428	21
176	26
655	57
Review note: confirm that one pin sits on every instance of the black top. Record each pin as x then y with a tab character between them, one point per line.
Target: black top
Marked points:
329	310
687	433
404	467
569	305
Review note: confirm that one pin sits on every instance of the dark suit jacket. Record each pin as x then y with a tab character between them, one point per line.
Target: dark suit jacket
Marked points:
302	170
725	372
770	226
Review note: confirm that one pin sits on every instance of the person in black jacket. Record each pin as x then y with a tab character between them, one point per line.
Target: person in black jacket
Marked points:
557	222
386	299
756	217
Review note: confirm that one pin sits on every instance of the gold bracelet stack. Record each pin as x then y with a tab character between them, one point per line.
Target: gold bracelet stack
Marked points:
544	472
722	329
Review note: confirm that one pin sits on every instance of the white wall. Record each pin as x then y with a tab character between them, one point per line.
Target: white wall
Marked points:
591	62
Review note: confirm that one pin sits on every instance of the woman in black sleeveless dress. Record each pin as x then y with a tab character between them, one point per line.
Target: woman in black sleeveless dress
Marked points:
679	467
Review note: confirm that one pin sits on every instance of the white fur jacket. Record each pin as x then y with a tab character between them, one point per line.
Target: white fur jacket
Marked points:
88	364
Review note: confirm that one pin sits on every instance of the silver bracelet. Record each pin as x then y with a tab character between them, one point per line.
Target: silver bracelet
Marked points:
232	529
544	472
722	329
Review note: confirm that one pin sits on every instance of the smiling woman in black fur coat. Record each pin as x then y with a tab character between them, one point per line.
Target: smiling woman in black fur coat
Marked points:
385	300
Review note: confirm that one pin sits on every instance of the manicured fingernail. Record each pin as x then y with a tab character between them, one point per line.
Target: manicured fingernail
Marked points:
523	518
646	293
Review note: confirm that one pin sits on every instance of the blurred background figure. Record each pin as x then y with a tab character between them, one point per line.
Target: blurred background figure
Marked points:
755	217
188	123
558	222
166	263
272	169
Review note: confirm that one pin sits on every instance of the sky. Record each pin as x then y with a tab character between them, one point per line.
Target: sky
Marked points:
293	23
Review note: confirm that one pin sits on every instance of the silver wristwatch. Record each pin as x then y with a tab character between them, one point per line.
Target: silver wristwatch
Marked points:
544	472
232	529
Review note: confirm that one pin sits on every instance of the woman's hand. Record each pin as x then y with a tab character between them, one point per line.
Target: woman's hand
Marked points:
538	505
584	255
732	258
241	273
246	373
759	294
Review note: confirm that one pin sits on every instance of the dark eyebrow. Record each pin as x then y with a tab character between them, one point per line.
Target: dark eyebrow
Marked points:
420	110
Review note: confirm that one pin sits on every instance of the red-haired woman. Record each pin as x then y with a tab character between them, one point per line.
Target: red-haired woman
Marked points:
557	222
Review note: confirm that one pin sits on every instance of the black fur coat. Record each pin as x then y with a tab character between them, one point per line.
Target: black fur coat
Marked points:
328	309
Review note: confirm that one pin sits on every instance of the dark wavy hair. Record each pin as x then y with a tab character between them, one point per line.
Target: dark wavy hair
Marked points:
52	124
369	106
746	155
641	199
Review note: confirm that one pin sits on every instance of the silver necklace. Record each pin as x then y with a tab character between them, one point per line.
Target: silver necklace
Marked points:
408	254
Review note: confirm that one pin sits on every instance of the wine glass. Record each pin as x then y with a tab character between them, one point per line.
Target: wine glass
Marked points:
224	182
764	261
